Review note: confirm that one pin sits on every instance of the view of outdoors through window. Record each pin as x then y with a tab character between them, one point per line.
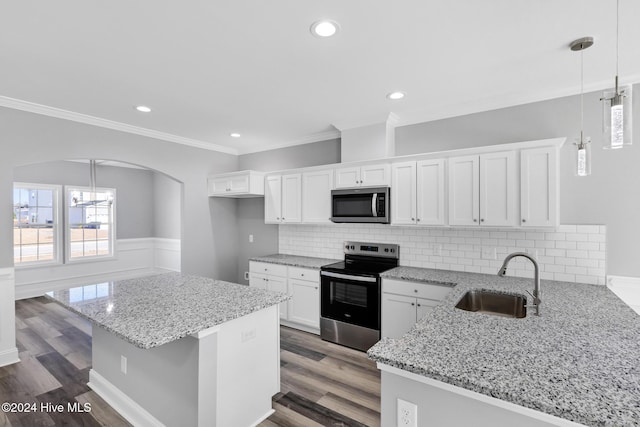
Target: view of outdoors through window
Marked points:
34	224
90	222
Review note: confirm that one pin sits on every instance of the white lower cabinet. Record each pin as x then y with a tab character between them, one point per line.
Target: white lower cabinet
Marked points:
302	311
404	303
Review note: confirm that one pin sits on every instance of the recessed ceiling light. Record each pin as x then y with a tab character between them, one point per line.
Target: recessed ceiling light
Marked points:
143	108
234	135
324	28
396	95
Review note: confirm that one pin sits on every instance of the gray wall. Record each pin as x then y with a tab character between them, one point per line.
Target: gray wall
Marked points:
134	190
609	196
251	211
207	225
167	207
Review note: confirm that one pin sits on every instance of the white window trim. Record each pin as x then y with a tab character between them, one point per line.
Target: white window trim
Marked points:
58	258
67	228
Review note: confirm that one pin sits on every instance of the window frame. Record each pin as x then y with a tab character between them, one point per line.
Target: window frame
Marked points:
58	225
67	227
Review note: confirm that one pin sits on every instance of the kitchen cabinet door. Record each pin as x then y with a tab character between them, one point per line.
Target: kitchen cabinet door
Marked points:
430	192
424	307
498	189
279	284
257	280
291	198
375	175
316	196
218	186
304	306
239	184
273	199
398	315
347	177
539	187
403	199
464	190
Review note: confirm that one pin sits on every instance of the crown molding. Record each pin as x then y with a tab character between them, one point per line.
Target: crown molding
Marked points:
316	137
45	110
390	118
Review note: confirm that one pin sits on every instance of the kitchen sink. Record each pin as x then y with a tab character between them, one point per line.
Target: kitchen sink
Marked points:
495	303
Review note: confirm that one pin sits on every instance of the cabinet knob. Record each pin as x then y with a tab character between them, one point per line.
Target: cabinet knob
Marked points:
417	219
419	305
524	220
413	304
278	218
481	219
316	287
413	219
302	274
415	290
475	220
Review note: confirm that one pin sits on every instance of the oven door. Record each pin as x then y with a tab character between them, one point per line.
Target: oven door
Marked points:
350	299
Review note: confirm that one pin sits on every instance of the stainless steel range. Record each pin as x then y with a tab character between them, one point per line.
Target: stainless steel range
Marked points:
350	293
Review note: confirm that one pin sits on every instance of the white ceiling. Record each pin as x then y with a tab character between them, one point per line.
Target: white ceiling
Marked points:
209	68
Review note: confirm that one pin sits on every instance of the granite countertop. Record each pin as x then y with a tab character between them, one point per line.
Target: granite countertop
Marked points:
295	261
579	360
154	310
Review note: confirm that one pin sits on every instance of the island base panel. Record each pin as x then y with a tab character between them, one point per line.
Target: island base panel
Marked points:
222	376
441	404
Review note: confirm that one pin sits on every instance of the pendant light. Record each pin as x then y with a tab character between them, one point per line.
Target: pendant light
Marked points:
616	117
583	156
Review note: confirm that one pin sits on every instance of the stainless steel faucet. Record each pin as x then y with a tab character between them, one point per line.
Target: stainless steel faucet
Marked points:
536	287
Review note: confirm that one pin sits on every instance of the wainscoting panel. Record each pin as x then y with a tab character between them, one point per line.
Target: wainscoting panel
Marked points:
8	350
134	258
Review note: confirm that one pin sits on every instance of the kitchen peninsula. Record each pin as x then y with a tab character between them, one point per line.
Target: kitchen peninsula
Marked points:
575	364
176	349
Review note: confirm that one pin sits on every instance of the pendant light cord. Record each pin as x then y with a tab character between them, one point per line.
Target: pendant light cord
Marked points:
581	95
617	37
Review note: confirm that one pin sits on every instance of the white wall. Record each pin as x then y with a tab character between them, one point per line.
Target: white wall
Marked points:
209	245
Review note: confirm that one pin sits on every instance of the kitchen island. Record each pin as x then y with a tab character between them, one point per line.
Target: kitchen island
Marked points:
176	349
575	364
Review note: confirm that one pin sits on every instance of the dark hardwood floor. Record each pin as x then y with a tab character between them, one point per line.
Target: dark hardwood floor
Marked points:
322	384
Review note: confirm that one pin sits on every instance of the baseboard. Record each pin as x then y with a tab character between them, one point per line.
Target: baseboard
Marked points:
262	418
9	357
123	404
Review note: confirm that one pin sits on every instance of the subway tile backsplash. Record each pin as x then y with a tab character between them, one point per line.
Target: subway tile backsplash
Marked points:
571	253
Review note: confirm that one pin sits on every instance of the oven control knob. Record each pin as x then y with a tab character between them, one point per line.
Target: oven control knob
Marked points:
386	249
353	247
393	250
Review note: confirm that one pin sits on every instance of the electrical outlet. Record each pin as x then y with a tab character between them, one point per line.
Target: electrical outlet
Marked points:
250	238
246	275
488	253
407	414
123	364
248	335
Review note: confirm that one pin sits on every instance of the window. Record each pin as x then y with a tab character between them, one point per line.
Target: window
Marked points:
89	223
36	235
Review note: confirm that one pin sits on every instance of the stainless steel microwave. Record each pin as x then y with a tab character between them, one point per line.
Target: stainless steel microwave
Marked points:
360	205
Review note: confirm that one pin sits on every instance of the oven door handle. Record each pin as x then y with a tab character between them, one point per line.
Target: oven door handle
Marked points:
348	277
374	205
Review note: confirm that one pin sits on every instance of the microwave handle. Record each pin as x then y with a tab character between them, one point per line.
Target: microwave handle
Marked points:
374	205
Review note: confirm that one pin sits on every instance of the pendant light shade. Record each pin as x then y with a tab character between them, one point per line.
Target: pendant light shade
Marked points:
583	144
616	106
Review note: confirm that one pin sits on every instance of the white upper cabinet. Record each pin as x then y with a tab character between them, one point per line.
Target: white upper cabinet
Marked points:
236	184
539	187
292	198
418	193
282	198
403	193
273	199
464	190
316	196
363	176
430	192
498	189
483	190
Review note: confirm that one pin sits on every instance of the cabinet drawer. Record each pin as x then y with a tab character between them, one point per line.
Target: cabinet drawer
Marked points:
268	268
416	289
304	274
